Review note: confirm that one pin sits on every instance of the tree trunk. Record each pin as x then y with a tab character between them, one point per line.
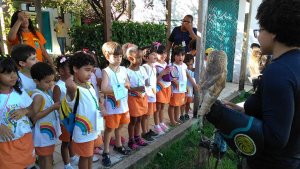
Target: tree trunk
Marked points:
38	9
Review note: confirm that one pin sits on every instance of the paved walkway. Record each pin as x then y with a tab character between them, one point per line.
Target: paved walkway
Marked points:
115	157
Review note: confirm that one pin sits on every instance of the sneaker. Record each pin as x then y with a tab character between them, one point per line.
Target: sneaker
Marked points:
132	145
74	160
152	133
106	160
186	117
159	130
122	150
95	158
182	119
68	167
164	127
140	142
147	137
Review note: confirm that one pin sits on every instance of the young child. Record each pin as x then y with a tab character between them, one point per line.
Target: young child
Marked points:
16	144
163	90
88	120
189	61
46	119
179	86
137	98
25	57
150	57
59	93
115	85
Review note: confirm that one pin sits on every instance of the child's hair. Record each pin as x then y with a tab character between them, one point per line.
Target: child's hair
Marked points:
80	59
188	58
193	45
62	61
111	48
22	52
178	50
158	47
41	70
129	48
7	65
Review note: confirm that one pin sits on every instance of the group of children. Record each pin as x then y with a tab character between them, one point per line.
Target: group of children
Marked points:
32	102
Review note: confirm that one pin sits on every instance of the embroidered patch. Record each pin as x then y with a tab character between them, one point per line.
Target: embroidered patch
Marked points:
245	144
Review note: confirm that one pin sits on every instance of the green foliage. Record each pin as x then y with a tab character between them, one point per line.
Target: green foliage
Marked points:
141	34
75	7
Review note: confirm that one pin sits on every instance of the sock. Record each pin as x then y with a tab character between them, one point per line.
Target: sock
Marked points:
162	123
73	158
157	126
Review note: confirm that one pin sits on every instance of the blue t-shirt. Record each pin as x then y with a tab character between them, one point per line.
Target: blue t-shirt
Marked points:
177	36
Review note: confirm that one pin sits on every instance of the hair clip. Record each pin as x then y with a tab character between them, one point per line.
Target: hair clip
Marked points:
62	60
85	50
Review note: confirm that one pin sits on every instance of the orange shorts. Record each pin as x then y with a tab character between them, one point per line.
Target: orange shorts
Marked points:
17	153
189	99
177	99
151	108
65	135
45	151
113	121
86	149
137	105
164	95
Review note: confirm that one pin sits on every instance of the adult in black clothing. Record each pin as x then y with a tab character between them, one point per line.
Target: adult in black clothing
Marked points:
268	132
182	35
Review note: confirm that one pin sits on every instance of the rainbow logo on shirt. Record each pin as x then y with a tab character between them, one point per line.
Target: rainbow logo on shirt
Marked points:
11	124
48	129
159	86
84	124
174	85
112	101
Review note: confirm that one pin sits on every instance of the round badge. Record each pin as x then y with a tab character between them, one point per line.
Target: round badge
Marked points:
245	144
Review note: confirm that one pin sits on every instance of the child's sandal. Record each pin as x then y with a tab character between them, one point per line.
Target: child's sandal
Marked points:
122	150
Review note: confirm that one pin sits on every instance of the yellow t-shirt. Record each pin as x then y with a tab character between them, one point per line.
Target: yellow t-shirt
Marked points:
61	30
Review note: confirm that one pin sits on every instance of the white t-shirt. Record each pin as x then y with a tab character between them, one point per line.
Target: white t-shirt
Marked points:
62	87
151	71
27	83
10	103
47	129
136	79
182	77
190	88
159	68
111	104
88	120
93	80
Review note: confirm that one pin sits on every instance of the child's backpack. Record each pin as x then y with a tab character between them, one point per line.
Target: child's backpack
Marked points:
67	116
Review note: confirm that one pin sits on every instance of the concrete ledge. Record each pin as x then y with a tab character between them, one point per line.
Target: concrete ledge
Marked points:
145	155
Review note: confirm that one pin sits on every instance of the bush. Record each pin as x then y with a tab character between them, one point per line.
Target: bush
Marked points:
141	34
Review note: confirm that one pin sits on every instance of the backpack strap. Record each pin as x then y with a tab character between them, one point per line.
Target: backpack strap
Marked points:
76	102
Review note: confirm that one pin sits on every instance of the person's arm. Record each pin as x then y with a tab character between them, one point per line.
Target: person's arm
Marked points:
104	84
190	78
46	55
56	94
12	34
193	35
37	105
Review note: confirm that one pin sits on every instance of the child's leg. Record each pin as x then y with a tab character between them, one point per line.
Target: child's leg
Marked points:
161	113
85	162
182	109
107	136
144	123
137	126
171	115
118	136
45	162
176	113
65	152
157	113
131	125
187	108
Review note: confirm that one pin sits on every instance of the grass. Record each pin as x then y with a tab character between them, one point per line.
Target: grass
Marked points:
184	153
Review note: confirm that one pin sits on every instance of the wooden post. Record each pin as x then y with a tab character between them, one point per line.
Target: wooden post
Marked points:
3	45
201	27
129	9
38	10
245	51
168	18
107	20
